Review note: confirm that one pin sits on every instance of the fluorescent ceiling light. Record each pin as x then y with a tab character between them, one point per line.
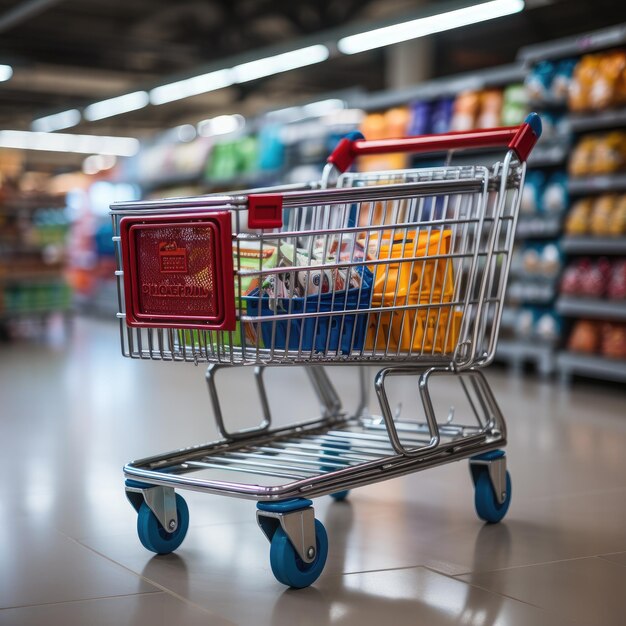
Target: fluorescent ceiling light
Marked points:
323	107
192	86
221	125
6	71
116	106
64	142
280	63
428	25
57	121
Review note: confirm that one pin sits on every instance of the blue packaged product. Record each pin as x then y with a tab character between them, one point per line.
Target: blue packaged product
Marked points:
330	332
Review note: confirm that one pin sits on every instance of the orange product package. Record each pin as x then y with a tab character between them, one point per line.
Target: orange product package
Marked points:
414	282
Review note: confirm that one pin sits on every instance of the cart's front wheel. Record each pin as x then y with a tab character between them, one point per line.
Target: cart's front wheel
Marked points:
340	496
289	568
487	506
154	537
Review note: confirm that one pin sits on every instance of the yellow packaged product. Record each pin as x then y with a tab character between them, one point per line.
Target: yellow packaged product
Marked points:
407	282
600	219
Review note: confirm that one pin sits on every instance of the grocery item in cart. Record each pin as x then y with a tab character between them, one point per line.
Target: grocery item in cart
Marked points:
344	332
408	282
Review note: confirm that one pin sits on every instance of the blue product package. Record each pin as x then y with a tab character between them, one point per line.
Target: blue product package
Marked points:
333	333
420	119
442	116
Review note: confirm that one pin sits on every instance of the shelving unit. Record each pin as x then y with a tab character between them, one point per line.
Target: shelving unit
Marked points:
571	363
594	245
589	185
553	155
32	243
592	308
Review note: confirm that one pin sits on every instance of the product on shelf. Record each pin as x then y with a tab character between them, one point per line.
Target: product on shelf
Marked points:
595	279
441	118
600	219
389	125
532	192
617	284
613	340
577	222
585	337
466	109
600	216
514	105
554	198
539	81
490	109
420	119
599	81
599	154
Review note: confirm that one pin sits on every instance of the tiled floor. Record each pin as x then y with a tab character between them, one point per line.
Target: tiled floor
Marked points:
409	551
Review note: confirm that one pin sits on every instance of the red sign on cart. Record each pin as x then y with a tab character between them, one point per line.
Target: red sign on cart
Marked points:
179	271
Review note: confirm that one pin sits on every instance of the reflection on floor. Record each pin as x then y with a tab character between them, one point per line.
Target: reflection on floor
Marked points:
406	551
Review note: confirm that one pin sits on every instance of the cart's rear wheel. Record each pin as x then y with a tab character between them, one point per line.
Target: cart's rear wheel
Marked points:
154	537
288	568
340	496
487	506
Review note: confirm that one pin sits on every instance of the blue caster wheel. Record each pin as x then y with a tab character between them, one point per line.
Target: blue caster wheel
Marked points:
487	507
154	537
340	496
288	568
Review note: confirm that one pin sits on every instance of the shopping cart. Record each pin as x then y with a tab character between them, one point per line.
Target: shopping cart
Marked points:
402	269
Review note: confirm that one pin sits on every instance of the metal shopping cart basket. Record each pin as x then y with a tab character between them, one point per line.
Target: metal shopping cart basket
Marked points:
405	270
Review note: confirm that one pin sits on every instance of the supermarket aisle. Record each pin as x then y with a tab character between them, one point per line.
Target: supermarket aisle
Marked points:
406	551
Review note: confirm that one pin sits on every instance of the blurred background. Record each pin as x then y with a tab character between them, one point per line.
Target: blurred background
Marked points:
125	100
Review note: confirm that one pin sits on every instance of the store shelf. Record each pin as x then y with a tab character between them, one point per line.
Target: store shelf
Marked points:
531	292
594	245
550	153
547	102
597	120
597	184
570	363
570	306
574	46
538	227
516	352
442	87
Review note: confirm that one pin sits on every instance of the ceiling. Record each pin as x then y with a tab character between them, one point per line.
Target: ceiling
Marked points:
69	53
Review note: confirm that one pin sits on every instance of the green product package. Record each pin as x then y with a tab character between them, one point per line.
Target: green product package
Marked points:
249	256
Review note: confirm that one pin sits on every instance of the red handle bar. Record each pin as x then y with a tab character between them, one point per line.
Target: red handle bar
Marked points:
521	139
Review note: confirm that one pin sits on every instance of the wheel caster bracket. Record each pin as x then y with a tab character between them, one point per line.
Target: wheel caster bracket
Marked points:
296	518
496	468
160	500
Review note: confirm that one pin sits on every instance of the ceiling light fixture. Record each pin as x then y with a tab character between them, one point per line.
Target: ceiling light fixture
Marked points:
221	125
65	142
278	63
57	121
424	26
6	71
116	106
192	86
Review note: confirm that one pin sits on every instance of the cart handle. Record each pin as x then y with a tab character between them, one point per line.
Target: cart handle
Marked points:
521	139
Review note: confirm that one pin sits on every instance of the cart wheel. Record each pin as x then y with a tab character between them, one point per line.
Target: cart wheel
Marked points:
340	496
154	537
487	507
289	568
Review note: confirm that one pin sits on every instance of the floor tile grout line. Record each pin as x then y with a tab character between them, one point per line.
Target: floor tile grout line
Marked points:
525	565
604	558
94	599
148	580
491	591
